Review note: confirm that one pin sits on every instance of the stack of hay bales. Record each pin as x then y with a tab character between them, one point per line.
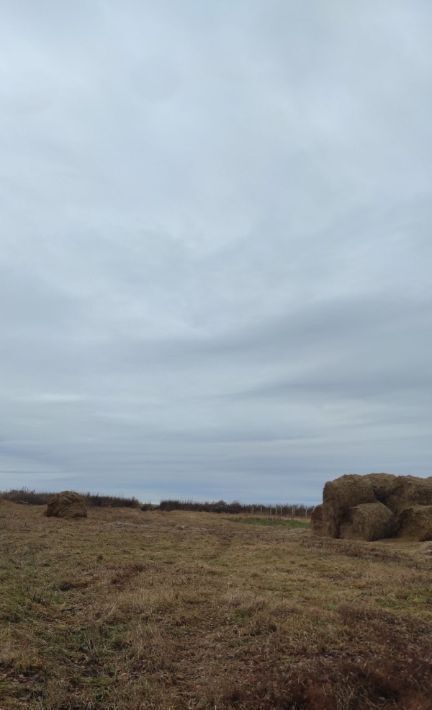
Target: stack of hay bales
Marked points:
375	506
67	504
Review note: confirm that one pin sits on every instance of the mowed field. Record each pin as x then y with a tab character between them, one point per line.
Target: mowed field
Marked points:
130	609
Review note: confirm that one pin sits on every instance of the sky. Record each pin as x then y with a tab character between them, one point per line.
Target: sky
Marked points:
215	245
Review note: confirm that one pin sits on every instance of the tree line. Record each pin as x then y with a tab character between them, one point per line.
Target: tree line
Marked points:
96	500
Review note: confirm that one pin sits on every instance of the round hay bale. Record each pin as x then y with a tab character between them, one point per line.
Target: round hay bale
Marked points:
67	504
324	522
341	495
409	491
415	523
348	491
369	521
336	517
383	484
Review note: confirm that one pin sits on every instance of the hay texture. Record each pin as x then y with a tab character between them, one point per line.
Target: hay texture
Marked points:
375	506
67	504
369	521
416	523
324	521
410	491
383	485
339	497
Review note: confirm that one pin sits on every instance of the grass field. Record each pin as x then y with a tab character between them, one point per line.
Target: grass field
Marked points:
130	609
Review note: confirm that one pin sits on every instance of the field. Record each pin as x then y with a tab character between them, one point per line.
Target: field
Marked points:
130	609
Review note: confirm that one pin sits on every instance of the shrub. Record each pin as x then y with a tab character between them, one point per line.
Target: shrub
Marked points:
29	497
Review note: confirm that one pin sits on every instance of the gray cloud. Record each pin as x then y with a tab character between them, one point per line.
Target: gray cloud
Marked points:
214	245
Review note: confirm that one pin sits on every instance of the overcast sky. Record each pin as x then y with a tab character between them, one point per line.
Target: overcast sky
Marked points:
215	245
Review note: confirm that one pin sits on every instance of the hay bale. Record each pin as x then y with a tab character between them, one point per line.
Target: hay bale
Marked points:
409	491
348	491
369	521
415	523
383	484
67	504
324	521
340	496
345	510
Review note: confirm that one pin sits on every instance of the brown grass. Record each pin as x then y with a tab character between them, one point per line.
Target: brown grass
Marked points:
130	609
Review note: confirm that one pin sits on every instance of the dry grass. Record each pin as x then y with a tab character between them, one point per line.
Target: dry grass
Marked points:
130	609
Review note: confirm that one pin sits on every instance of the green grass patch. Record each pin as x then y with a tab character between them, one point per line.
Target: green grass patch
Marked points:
288	523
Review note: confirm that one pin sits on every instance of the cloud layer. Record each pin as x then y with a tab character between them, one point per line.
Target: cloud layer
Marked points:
214	251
